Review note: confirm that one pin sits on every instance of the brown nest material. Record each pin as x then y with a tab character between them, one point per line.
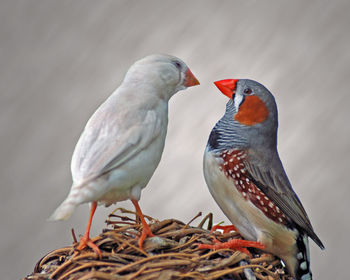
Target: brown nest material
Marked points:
171	254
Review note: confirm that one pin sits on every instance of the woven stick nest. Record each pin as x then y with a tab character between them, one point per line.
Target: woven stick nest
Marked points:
171	254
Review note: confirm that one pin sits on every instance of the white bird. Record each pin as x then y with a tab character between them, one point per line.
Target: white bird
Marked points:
123	141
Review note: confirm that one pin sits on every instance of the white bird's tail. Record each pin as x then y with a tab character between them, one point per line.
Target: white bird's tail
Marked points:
77	195
64	211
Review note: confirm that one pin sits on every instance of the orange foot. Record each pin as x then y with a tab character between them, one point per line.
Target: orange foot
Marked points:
85	241
226	229
235	244
146	231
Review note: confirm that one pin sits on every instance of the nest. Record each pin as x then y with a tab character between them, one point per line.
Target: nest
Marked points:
171	254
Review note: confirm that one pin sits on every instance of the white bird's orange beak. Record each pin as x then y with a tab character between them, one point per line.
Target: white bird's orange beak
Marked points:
190	79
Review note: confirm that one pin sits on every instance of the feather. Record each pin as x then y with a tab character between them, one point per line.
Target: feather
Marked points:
272	180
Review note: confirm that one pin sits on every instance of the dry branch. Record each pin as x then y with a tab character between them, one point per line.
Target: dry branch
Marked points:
171	254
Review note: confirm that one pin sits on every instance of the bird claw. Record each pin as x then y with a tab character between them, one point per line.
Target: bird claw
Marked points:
226	229
234	244
146	232
87	242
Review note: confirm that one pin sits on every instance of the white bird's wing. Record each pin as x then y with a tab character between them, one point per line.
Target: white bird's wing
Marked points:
110	138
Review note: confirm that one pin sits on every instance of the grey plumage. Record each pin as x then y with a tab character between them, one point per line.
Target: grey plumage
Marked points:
257	137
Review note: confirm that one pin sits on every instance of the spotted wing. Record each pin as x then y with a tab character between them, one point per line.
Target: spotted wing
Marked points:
270	177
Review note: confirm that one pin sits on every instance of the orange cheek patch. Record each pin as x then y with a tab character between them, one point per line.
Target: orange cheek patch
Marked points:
252	111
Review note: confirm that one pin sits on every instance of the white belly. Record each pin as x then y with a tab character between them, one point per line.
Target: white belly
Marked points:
124	182
127	181
244	215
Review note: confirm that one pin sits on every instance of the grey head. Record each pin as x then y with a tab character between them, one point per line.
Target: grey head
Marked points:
250	119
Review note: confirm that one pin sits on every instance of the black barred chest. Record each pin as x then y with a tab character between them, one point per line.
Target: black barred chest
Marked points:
234	169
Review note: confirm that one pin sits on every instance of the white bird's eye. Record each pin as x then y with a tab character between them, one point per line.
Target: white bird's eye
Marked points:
247	91
177	64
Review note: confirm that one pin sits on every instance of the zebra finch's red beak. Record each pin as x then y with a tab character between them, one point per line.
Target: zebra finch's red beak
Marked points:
227	87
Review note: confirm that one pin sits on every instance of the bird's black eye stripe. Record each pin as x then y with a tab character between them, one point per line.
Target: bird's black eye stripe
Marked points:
247	91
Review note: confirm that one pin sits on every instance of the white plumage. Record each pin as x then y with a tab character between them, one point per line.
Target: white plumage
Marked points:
123	141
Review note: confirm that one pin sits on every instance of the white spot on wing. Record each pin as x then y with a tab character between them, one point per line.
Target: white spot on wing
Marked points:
303	265
306	276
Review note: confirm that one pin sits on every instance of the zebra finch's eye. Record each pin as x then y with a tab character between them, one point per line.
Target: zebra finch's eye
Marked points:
247	91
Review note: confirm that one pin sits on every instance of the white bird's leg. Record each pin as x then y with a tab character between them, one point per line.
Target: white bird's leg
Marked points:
85	240
146	231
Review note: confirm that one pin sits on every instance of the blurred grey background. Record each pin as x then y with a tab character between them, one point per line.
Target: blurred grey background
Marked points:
60	59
